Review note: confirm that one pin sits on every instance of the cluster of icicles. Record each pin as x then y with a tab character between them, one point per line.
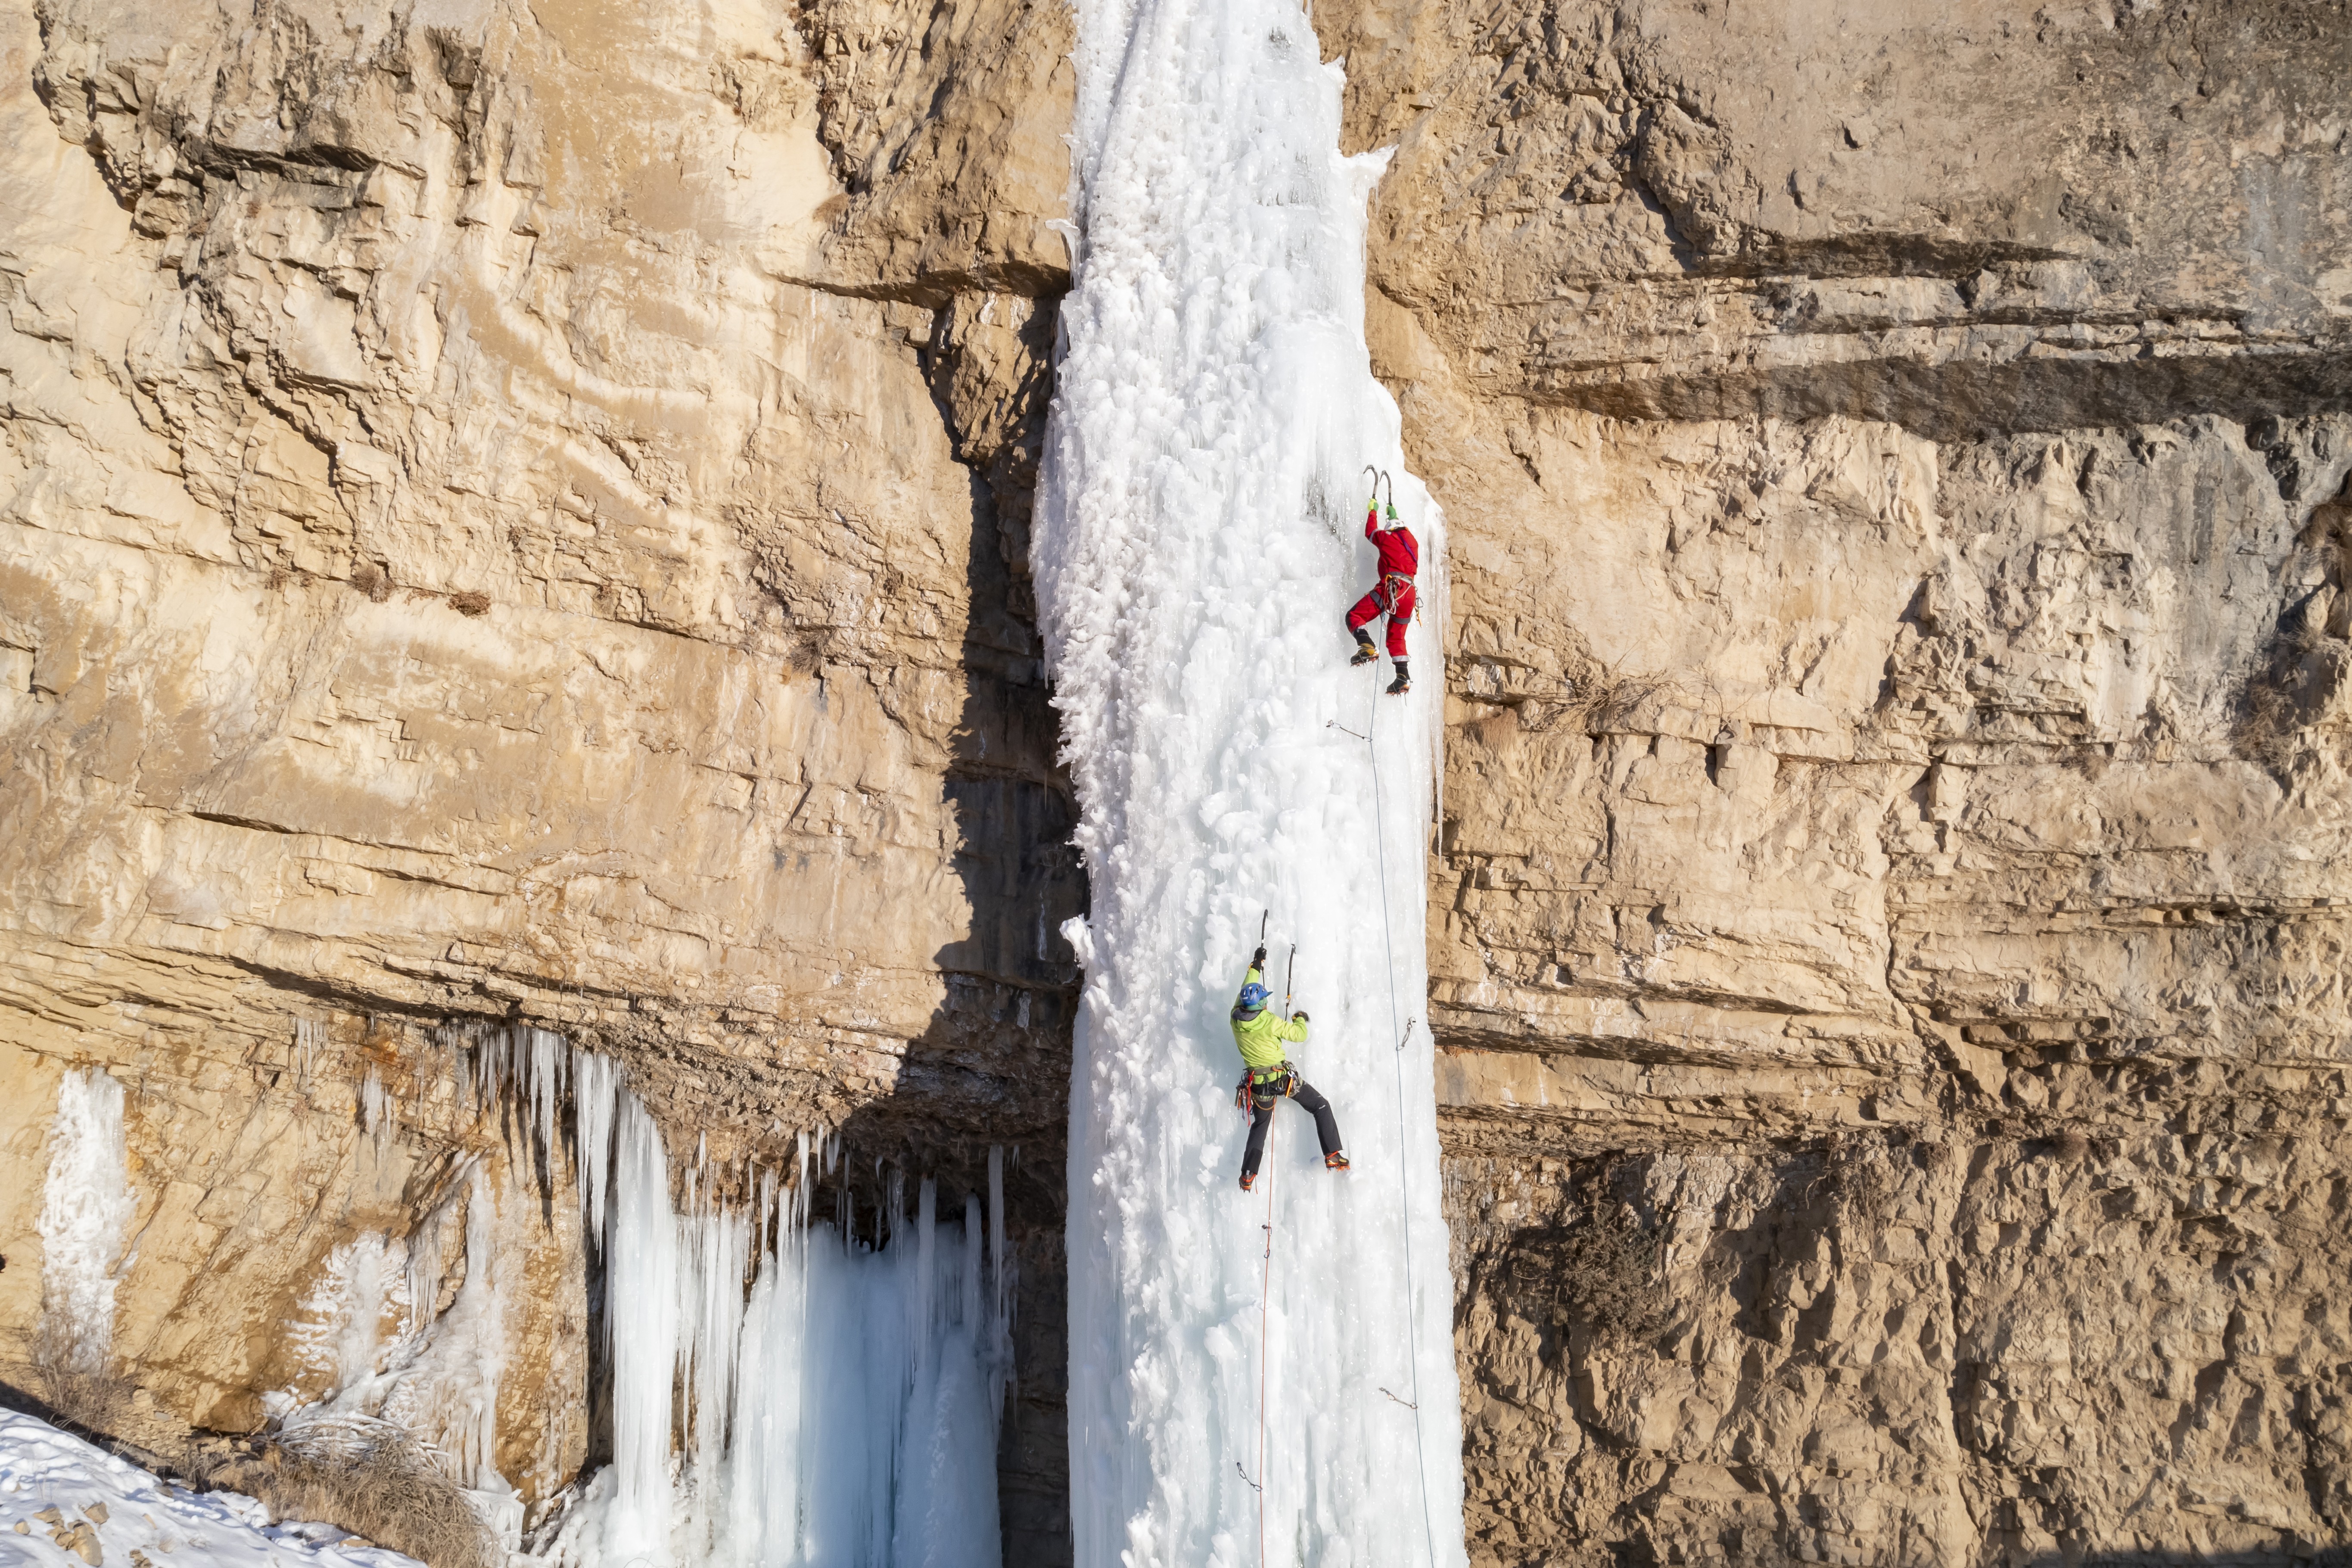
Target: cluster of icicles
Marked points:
782	1393
841	1409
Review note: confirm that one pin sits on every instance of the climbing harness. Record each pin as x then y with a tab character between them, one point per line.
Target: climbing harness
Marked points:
1405	1189
1267	1084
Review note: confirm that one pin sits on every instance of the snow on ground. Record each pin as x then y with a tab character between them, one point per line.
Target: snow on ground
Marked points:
1199	540
65	1504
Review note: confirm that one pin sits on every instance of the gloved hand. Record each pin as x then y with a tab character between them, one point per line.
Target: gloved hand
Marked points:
1257	959
1300	1017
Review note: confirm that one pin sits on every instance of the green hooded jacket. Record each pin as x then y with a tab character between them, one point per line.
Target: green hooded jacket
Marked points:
1262	1035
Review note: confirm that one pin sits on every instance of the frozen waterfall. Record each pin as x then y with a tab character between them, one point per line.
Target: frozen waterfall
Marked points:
787	1390
783	1394
1197	543
86	1212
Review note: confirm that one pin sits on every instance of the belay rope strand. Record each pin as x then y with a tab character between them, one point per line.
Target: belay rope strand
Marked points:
1265	1294
1405	1189
1266	1279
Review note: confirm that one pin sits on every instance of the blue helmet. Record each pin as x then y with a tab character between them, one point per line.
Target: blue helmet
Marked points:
1251	999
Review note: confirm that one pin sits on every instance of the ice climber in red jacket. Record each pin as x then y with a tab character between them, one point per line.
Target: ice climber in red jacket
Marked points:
1400	559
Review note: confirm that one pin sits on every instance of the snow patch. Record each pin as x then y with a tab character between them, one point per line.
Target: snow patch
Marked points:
64	1503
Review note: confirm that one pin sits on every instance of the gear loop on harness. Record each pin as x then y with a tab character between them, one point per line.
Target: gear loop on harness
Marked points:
1261	1087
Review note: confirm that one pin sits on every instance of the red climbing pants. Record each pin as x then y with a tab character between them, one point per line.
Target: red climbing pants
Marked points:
1395	596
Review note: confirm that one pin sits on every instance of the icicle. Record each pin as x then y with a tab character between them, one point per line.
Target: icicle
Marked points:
379	1113
549	1056
642	1316
309	1039
86	1207
969	1313
801	1184
595	1098
922	1310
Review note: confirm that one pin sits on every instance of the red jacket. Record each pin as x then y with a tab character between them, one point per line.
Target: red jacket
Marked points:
1399	550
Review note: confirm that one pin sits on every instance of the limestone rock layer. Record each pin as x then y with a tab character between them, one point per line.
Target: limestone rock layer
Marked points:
1894	831
520	516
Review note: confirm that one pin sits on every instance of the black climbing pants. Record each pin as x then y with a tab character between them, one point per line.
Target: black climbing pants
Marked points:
1262	1104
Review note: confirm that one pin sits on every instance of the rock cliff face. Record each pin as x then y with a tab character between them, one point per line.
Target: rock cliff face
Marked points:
1893	849
522	515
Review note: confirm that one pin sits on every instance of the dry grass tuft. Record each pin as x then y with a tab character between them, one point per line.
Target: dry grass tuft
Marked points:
1860	1172
79	1387
472	602
374	1478
1601	1275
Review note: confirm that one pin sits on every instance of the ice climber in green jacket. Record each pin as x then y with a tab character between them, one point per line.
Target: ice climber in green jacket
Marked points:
1269	1077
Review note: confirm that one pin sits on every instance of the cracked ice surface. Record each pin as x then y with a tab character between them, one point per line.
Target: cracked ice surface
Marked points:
1199	541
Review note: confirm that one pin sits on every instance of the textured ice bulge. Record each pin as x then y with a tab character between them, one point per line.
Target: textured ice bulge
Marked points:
1197	543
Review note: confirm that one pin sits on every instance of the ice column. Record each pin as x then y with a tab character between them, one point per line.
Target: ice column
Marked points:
1198	541
86	1208
642	1313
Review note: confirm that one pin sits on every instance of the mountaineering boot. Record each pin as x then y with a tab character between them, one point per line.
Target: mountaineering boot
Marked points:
1365	653
1249	1180
1403	683
1335	1161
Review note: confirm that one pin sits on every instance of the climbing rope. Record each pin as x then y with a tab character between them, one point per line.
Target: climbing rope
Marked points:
1404	1188
1265	1294
1266	1277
